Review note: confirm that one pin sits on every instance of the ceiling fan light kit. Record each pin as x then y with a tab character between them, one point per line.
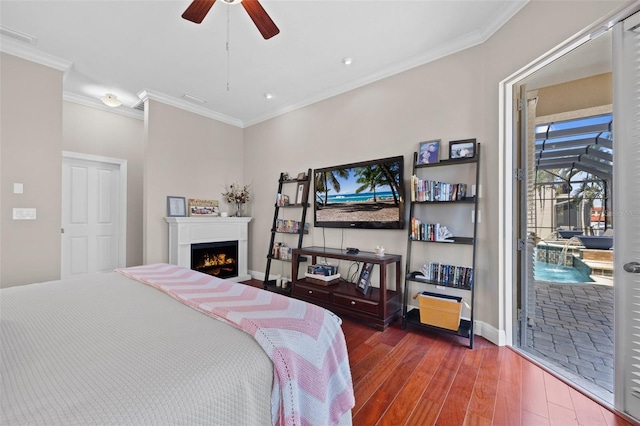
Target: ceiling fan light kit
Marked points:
198	9
110	100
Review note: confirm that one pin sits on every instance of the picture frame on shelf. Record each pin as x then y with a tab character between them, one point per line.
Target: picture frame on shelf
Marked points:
429	152
176	206
462	149
203	207
301	176
365	278
300	193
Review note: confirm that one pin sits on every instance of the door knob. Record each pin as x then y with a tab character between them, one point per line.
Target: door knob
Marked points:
633	267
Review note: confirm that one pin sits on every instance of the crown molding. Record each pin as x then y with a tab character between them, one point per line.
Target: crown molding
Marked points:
28	52
470	40
178	103
94	103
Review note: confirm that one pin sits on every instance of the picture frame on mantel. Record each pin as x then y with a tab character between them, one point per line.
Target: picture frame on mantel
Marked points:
199	207
176	206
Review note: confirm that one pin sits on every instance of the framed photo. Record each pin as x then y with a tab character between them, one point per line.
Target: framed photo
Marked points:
176	206
302	176
300	193
203	207
462	149
429	152
365	278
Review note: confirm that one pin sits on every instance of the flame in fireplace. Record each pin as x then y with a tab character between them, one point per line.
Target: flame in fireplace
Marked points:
216	263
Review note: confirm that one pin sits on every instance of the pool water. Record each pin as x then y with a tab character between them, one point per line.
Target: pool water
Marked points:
558	274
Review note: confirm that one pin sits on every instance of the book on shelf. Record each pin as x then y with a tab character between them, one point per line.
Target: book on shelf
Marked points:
451	275
430	190
421	231
290	226
282	200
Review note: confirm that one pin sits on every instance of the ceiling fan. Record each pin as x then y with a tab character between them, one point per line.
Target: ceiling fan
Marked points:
198	9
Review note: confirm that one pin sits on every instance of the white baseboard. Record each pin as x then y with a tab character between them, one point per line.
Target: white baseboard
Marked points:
256	275
489	332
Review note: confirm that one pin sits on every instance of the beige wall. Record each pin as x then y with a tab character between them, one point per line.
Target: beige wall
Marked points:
93	131
575	95
31	140
186	155
452	98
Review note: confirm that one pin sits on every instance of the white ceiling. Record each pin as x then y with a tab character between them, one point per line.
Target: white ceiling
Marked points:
132	47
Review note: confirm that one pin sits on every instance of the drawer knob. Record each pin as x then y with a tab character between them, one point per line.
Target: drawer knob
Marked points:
353	303
310	291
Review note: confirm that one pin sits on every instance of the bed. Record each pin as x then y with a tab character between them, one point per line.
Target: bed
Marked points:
164	345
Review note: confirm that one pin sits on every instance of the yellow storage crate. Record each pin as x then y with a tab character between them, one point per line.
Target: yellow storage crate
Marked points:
440	310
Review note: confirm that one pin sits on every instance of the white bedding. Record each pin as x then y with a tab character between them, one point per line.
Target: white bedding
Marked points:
109	350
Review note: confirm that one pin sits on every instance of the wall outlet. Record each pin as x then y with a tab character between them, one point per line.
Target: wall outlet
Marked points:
24	214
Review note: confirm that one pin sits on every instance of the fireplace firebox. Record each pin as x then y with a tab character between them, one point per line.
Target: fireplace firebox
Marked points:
219	259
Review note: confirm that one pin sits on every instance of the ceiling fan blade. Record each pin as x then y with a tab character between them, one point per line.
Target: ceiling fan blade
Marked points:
198	10
260	17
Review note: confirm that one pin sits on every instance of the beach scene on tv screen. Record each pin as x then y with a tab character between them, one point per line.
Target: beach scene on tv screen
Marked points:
370	193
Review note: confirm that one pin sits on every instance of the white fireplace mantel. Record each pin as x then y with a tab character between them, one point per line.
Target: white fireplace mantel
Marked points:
184	231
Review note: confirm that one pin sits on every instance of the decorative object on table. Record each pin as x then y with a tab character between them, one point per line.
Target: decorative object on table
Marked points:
237	195
176	206
462	149
379	251
429	152
365	278
443	234
203	207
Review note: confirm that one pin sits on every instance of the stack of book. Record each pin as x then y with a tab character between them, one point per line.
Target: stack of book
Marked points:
322	274
429	190
451	275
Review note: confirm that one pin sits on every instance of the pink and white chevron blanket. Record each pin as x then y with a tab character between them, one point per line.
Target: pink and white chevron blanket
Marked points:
312	379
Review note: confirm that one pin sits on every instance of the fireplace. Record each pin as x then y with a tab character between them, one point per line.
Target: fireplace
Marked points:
187	231
219	259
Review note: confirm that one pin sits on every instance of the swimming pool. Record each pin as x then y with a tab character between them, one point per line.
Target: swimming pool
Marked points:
558	274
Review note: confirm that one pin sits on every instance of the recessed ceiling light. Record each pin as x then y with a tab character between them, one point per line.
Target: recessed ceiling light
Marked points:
268	95
110	100
347	61
232	1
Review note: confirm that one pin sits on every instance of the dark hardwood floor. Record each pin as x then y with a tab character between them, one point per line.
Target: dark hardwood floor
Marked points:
413	377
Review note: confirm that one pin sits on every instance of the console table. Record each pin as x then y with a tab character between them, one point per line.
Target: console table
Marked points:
379	307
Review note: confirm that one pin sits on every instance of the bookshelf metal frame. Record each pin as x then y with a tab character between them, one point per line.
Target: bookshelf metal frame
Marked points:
412	316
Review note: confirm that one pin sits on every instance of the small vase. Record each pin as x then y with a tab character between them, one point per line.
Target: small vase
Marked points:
239	209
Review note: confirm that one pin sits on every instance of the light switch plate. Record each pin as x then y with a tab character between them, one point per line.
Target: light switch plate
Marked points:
24	214
18	188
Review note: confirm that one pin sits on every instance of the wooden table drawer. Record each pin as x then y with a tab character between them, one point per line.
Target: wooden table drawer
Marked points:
354	303
312	292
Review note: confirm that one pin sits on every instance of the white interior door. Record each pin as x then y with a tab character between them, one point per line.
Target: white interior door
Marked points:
626	72
92	219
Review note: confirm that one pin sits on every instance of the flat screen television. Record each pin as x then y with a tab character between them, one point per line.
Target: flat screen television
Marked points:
368	194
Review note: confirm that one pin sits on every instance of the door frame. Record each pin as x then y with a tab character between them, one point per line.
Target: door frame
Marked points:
507	199
122	214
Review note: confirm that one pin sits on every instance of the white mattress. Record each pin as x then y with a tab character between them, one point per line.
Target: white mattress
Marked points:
107	350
